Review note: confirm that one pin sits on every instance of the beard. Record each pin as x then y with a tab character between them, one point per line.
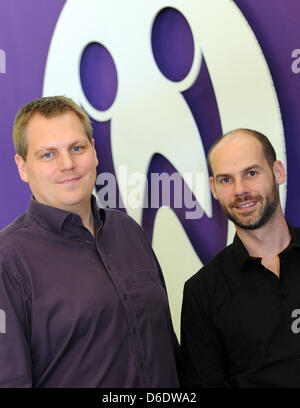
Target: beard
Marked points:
266	212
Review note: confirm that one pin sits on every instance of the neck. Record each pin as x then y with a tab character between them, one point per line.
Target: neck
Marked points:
270	239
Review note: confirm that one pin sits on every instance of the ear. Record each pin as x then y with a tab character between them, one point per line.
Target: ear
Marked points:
279	172
21	164
212	187
93	144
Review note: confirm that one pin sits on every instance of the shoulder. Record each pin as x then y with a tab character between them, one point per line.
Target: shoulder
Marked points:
115	214
122	235
123	228
9	235
11	240
296	231
211	273
119	220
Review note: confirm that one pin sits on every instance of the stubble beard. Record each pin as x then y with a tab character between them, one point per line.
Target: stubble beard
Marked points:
267	211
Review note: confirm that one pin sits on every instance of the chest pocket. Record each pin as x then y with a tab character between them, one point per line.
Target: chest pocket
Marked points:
149	297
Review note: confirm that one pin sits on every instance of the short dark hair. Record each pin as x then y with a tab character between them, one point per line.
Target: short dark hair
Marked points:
268	149
48	106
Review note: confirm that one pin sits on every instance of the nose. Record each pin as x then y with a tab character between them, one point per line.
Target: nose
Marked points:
240	187
66	161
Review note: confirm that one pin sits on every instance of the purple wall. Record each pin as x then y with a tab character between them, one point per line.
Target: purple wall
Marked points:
25	34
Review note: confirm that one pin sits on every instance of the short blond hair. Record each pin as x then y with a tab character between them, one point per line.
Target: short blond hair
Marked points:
49	106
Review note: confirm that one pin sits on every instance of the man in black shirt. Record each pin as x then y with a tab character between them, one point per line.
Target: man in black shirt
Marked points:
240	314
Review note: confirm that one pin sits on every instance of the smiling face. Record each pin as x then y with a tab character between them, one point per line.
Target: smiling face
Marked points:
243	182
61	163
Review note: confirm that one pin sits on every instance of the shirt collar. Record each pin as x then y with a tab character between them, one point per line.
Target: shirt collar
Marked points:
295	234
242	254
54	218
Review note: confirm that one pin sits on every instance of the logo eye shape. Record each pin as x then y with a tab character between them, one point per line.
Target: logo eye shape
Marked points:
172	44
97	63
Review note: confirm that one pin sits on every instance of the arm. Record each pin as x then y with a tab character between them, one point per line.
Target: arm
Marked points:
201	352
173	335
174	339
15	358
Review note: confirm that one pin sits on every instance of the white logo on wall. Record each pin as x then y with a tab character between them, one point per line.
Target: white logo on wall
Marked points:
2	321
2	62
150	115
296	323
296	63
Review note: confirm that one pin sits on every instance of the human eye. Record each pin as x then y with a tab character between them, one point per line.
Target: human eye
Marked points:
77	148
225	180
47	155
252	173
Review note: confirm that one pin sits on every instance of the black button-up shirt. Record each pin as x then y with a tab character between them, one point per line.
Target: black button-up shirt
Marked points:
240	322
79	311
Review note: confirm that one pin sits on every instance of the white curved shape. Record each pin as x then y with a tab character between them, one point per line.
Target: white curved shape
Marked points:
167	225
149	114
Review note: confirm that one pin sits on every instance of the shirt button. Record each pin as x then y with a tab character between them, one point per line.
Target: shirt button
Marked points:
74	219
133	331
88	241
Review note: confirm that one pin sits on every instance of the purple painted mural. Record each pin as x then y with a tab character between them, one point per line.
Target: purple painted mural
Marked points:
26	30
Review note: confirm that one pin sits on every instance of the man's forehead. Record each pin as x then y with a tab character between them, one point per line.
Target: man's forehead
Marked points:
50	132
238	138
42	125
50	118
234	150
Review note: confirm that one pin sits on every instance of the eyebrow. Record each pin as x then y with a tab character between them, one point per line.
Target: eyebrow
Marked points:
253	166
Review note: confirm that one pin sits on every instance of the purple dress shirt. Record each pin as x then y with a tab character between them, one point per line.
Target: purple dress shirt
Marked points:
79	311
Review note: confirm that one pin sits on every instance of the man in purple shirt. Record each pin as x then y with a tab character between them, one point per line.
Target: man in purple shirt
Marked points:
81	291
